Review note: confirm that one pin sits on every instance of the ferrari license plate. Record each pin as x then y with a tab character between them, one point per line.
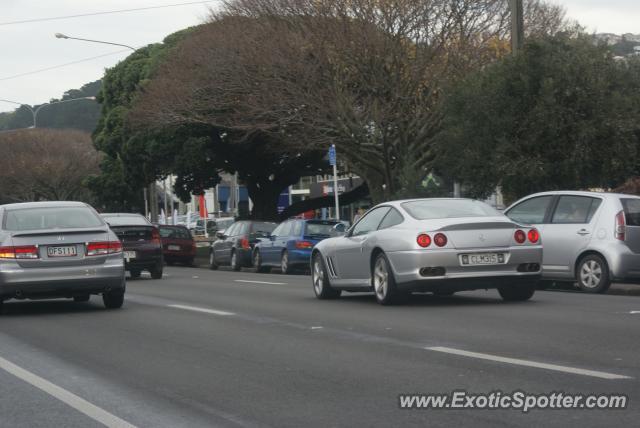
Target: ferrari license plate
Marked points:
65	251
481	259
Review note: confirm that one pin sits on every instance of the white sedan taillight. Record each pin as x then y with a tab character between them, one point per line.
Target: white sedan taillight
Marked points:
103	248
22	252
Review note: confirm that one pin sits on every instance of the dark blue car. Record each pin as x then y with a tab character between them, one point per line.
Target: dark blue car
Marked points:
290	244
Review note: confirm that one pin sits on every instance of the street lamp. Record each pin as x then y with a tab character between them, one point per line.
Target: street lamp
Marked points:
34	112
64	36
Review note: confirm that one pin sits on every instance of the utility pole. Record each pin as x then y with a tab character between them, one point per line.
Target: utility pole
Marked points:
333	161
517	25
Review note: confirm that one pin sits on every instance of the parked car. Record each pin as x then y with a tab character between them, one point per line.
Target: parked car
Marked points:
290	244
234	246
223	223
140	241
429	245
204	226
178	246
589	237
59	249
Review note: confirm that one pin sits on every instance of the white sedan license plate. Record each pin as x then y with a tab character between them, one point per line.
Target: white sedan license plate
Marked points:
174	247
66	251
129	255
481	259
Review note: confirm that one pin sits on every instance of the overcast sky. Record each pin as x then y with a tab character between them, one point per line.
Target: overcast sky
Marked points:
28	47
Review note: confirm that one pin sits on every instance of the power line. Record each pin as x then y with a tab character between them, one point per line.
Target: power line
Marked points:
15	76
56	18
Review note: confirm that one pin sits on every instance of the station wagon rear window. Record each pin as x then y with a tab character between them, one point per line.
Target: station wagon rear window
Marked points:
51	218
448	208
174	233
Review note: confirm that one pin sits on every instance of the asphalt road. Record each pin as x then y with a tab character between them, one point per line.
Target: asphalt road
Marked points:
203	348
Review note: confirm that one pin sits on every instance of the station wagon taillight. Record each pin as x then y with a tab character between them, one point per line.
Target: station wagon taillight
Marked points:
424	240
621	226
533	235
155	236
22	252
104	248
520	236
304	245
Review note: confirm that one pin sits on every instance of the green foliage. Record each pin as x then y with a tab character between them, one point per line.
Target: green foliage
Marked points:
560	114
131	158
82	115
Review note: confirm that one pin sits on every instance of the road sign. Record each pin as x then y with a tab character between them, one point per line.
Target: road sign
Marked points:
332	155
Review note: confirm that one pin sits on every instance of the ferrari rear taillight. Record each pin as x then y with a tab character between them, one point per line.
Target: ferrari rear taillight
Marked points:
533	235
22	252
244	243
104	248
423	240
304	245
440	239
621	226
520	236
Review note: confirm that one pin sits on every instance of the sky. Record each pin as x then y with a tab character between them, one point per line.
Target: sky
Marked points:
28	47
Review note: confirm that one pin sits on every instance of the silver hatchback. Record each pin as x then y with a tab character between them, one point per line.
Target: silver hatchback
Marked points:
589	237
59	249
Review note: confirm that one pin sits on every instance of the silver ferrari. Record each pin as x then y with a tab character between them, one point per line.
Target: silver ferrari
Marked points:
59	249
429	245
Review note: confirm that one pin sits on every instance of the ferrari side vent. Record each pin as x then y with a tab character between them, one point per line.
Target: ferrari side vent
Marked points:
331	267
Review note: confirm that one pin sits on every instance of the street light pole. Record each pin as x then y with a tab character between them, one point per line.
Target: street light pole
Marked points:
35	112
64	36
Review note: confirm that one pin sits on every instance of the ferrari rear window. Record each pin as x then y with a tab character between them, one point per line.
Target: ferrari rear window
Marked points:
428	209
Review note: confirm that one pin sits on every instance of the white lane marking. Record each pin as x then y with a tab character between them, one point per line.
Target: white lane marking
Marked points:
260	282
72	400
527	363
634	312
316	328
203	310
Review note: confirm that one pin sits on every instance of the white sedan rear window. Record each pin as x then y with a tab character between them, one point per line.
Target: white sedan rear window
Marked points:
51	218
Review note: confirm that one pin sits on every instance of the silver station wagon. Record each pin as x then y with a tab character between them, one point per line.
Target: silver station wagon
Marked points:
429	245
589	237
59	249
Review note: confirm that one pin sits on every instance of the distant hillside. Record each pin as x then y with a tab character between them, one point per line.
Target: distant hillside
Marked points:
621	45
81	115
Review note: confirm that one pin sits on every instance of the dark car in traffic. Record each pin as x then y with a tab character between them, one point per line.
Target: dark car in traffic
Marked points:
289	246
178	246
141	243
234	246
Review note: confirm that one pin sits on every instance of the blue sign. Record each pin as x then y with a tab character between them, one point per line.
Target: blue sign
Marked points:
332	155
283	201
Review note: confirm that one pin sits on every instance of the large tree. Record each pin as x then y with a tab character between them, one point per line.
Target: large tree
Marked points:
46	164
366	75
560	114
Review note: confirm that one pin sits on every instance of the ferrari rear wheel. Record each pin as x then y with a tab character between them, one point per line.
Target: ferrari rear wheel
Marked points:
321	286
384	283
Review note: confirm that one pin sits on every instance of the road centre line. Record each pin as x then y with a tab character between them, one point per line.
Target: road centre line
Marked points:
260	282
203	310
70	399
527	363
